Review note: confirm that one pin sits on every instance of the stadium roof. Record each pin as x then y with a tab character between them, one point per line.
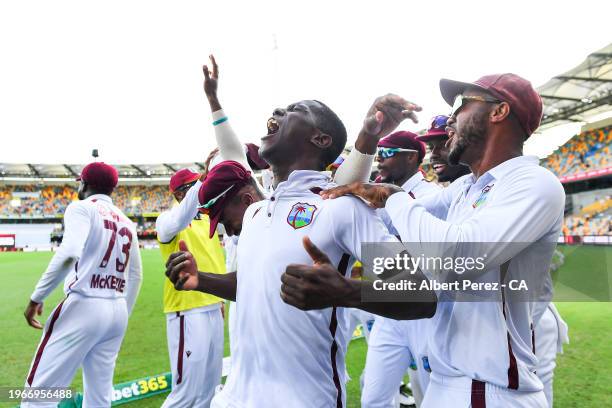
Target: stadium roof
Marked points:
71	171
583	91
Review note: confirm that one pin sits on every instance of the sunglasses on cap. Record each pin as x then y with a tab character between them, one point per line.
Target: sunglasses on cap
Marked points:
462	100
439	122
206	207
185	187
387	152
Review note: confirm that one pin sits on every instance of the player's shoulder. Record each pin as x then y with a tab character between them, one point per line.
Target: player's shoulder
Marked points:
80	206
252	210
534	176
344	206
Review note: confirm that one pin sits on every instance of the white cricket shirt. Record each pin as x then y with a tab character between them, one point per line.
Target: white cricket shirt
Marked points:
99	254
516	204
286	357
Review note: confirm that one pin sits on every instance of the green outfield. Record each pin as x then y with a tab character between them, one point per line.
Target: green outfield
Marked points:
583	377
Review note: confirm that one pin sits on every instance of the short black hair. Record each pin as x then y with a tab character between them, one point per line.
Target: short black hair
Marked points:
329	123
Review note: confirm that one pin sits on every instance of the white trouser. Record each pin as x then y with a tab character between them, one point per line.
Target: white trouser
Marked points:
463	392
195	345
546	340
388	359
81	331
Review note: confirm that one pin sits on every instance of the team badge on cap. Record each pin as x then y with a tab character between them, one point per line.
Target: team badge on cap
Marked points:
301	215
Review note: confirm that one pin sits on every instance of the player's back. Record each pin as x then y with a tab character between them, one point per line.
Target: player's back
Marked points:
102	267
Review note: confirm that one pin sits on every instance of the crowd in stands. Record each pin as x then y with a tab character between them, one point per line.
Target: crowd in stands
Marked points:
592	219
31	201
34	201
586	151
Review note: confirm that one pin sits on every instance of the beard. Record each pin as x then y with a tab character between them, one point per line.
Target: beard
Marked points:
473	132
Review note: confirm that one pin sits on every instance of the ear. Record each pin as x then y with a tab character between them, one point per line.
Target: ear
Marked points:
321	140
247	199
500	112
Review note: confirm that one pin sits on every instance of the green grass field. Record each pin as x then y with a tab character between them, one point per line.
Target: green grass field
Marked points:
583	377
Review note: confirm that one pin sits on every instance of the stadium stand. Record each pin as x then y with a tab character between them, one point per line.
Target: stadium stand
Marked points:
30	201
586	151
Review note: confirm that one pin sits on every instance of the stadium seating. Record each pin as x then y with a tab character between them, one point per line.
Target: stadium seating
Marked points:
591	219
31	201
586	151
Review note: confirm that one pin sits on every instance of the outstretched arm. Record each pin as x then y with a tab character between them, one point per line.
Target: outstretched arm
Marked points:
171	222
321	285
182	270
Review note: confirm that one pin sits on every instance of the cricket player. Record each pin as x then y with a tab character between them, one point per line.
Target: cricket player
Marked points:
302	363
481	353
396	345
99	260
550	331
194	322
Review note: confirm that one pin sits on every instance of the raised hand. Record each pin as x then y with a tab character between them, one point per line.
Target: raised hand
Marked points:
182	269
386	113
33	309
375	195
314	286
211	78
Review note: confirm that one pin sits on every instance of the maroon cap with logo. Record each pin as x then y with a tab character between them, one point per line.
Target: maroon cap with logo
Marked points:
403	140
525	103
182	177
436	129
100	175
220	185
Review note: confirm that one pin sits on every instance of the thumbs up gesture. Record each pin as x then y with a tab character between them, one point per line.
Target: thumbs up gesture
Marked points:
316	286
182	269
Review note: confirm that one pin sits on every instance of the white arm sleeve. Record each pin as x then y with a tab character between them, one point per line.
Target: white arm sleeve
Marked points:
134	278
230	146
518	215
76	230
356	167
173	221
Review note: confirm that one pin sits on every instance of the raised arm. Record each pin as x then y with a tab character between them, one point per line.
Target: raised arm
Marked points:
230	147
173	221
383	117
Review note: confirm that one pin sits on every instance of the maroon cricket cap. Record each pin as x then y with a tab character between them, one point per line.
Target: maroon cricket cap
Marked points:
436	129
182	177
403	140
220	185
99	175
525	103
254	159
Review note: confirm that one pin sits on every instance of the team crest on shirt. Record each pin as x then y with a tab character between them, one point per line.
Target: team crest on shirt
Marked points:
301	215
483	196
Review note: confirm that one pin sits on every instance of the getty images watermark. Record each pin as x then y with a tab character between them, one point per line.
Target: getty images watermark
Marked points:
475	272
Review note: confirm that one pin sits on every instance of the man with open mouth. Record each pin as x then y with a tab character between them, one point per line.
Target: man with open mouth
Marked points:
300	362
